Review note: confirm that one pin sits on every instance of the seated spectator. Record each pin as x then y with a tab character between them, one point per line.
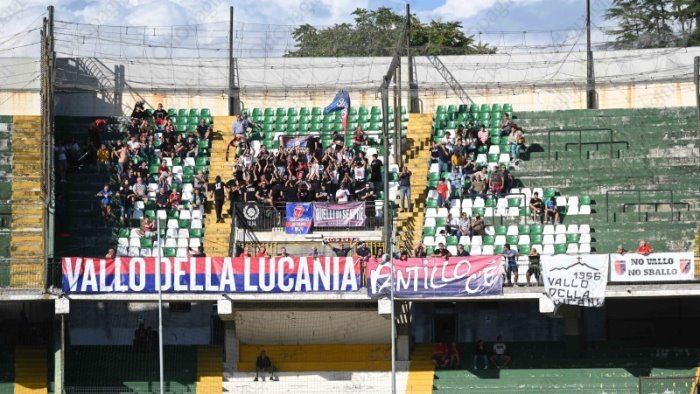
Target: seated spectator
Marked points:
533	268
162	198
441	355
455	360
203	130
483	136
264	364
620	250
506	125
148	227
452	225
140	189
461	252
464	226
471	144
443	192
511	256
200	181
496	183
480	353
536	207
420	251
644	248
160	115
441	251
499	358
478	183
478	226
174	199
551	211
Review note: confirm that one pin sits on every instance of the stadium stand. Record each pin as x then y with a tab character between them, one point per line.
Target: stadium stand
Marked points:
5	197
30	370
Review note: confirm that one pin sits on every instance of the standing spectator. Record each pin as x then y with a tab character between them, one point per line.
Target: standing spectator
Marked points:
160	115
376	172
644	249
62	158
480	353
262	252
551	211
264	364
536	207
283	252
499	358
102	158
515	140
314	253
405	188
443	192
533	268
341	196
342	250
219	188
511	256
139	111
105	196
454	357
444	157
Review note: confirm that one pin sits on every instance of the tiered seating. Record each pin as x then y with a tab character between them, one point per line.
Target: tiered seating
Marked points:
181	228
511	211
304	121
187	119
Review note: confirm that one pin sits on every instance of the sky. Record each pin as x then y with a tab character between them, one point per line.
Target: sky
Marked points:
499	22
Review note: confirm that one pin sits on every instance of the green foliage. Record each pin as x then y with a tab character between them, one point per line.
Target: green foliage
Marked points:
376	33
654	23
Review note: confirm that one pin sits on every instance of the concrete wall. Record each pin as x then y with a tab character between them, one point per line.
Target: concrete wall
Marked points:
290	327
113	323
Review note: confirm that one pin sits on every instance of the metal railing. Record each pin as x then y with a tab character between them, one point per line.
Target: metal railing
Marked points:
665	384
17	273
610	142
639	192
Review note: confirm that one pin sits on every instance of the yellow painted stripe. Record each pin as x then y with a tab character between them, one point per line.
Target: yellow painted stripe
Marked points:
421	372
216	235
30	370
210	370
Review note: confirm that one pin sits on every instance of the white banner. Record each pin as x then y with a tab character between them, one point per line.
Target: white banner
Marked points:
576	280
656	267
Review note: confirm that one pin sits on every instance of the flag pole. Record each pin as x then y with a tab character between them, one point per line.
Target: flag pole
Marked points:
160	307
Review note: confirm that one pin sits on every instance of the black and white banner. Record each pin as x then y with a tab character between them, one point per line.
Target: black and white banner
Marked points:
576	280
656	267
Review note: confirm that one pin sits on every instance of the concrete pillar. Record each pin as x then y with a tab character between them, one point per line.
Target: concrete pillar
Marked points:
572	329
225	310
61	310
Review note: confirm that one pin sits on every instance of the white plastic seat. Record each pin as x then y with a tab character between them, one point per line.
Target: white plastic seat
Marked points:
455	212
548	239
182	252
134	251
122	250
548	229
512	230
440	239
482	158
168	162
572	249
539	191
156	250
172	223
526	191
452	249
455	203
584	210
524	239
429	222
135	242
197	214
185	214
195	243
183	233
171	242
189	162
464	240
572	210
513	212
145	252
572	200
196	224
152	187
187	187
585	238
487	250
161	214
431	213
490	230
475	250
548	249
515	190
584	248
488	212
183	242
560	239
503	158
171	233
494	150
477	240
561	201
429	240
467	203
572	229
442	212
434	167
584	229
135	233
502	203
468	211
499	240
560	229
538	248
139	205
186	196
137	214
432	194
123	242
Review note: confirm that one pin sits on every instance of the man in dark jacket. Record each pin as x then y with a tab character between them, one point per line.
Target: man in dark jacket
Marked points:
264	364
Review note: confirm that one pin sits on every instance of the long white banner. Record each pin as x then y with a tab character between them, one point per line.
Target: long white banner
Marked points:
576	280
656	267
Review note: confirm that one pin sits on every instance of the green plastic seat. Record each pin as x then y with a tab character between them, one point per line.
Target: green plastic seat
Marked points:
375	110
150	213
497	249
431	203
440	221
501	230
536	239
452	240
429	231
474	108
488	240
490	203
484	108
549	192
182	113
492	158
184	223
440	109
523	229
584	200
169	252
195	233
560	249
146	243
479	211
512	239
513	202
123	232
205	113
525	212
536	229
429	250
507	107
523	249
572	238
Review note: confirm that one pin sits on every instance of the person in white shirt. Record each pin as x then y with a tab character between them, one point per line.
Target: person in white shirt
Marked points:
341	196
499	358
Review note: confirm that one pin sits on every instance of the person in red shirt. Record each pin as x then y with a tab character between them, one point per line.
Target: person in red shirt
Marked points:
441	355
443	193
644	248
262	252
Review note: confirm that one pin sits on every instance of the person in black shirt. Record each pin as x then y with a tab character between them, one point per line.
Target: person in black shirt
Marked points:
203	130
160	115
264	364
376	171
162	199
441	251
343	250
290	190
249	192
536	206
219	189
139	112
461	252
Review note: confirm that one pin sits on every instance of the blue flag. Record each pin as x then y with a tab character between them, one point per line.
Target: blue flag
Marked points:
340	102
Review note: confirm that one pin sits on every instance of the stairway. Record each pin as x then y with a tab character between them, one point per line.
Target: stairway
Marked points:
216	235
210	369
28	213
416	155
421	371
30	370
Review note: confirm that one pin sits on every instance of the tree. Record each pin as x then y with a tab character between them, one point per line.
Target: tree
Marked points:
376	32
654	23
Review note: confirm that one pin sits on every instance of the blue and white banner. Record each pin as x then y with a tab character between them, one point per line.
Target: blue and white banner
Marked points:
340	101
299	218
656	267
